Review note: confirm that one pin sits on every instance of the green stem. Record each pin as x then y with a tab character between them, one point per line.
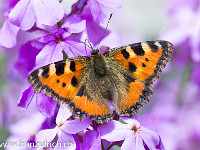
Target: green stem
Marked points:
43	30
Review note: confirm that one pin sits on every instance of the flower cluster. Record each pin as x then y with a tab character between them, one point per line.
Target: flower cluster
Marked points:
40	32
53	35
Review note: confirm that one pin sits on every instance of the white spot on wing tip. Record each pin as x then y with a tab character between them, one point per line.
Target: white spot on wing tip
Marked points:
52	69
158	44
40	72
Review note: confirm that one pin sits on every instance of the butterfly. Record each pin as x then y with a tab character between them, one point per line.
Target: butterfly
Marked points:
122	76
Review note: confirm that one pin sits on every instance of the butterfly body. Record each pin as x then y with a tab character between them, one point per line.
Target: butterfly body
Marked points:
123	76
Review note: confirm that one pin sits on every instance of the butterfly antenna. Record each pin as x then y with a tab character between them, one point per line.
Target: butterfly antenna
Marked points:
73	52
105	29
89	43
85	48
77	38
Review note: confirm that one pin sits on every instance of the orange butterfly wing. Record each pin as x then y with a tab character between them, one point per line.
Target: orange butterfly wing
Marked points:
58	80
141	64
68	81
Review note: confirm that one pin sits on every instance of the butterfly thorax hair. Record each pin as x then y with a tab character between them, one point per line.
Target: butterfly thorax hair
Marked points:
99	67
98	63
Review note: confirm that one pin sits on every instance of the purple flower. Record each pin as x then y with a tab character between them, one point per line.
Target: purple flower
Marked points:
96	7
61	41
64	129
13	3
134	135
8	34
28	12
91	140
94	30
26	58
44	103
93	12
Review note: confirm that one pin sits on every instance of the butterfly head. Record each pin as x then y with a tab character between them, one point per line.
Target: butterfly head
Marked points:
94	52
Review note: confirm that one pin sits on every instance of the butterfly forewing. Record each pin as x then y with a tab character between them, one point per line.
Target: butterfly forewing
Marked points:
142	64
72	81
59	80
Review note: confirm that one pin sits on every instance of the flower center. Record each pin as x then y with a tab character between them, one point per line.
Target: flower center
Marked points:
59	39
60	124
134	128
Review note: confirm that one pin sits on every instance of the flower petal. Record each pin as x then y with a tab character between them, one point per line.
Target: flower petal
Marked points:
63	114
74	24
8	34
66	140
91	140
46	135
132	142
111	3
45	39
73	48
95	32
12	3
131	121
26	62
48	12
97	11
48	55
23	14
150	138
26	98
75	126
45	104
114	131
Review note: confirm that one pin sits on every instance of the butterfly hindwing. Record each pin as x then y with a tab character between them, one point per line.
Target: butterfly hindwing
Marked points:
89	99
140	63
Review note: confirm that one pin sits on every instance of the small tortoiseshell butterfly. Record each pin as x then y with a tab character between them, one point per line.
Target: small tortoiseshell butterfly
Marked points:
122	75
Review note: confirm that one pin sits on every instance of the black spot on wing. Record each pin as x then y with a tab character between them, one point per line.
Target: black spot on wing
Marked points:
132	67
64	84
74	81
137	48
154	48
125	54
60	67
146	59
143	65
72	66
